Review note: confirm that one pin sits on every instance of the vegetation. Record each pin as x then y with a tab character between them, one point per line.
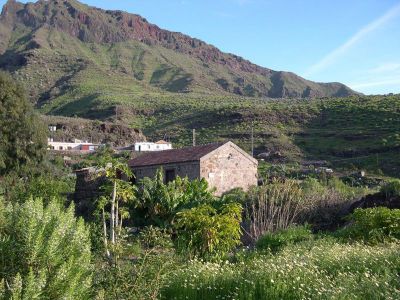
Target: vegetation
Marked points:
374	224
391	189
359	261
325	270
117	192
207	232
160	202
296	236
168	93
350	134
44	252
276	241
23	139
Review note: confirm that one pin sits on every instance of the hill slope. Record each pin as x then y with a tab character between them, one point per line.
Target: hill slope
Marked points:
62	45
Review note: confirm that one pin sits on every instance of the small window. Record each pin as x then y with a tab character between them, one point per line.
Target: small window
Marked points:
133	178
69	148
61	148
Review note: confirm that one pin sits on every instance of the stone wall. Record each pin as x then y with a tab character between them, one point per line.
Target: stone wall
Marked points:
87	190
229	167
185	169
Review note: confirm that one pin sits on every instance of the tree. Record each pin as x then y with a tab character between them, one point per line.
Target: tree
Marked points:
44	252
117	191
22	134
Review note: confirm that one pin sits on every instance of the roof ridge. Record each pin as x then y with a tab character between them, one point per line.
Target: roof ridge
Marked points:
186	154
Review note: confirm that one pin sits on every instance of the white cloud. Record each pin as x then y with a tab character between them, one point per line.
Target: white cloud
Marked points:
331	57
385	68
375	83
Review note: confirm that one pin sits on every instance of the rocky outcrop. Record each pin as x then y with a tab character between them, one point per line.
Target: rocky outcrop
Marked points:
116	135
376	200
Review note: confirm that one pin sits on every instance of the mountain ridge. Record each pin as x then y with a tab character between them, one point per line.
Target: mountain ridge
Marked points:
28	29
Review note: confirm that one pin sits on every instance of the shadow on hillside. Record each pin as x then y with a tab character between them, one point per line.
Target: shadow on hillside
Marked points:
89	107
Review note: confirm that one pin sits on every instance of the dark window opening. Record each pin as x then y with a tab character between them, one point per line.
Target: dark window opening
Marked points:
169	175
133	178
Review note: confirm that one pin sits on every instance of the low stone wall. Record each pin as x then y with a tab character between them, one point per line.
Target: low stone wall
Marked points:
87	190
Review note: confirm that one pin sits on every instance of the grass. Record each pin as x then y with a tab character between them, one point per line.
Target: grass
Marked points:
320	270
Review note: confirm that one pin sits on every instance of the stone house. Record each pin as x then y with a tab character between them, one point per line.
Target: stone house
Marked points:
225	166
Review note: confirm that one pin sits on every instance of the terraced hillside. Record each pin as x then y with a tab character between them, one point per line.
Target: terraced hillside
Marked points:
80	61
351	133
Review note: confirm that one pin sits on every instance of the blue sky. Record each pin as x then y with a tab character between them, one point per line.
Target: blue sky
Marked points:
356	42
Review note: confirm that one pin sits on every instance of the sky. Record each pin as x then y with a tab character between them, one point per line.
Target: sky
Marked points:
356	42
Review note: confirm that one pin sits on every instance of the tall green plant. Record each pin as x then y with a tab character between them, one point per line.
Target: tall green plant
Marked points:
273	207
23	135
44	252
117	192
161	201
209	232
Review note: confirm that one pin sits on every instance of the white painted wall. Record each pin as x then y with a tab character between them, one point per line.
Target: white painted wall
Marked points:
147	146
62	146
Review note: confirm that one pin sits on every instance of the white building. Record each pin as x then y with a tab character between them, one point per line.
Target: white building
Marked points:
149	147
77	145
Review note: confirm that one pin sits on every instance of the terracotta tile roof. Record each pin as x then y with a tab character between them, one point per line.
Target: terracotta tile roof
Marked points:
162	142
173	156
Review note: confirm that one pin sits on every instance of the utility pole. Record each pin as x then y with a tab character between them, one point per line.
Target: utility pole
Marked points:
194	137
252	139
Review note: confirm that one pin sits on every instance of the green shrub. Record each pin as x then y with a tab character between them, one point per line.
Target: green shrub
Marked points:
138	278
276	241
209	232
44	253
159	202
391	189
44	187
155	237
374	224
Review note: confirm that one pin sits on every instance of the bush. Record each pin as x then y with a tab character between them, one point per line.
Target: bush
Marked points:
209	232
391	189
155	237
44	187
324	210
374	224
138	278
276	241
44	253
159	202
273	207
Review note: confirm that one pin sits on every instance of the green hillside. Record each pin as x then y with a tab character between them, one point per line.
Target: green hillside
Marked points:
58	46
351	133
75	60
